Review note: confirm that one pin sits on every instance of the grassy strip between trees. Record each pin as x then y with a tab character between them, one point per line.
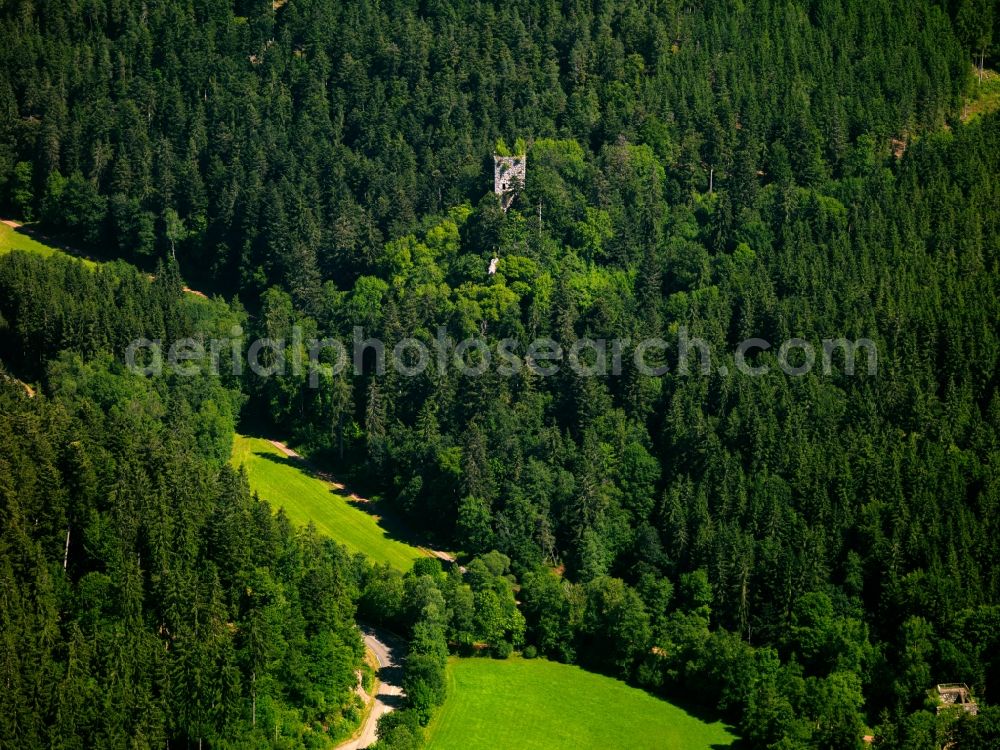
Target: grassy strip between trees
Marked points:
544	704
12	239
308	499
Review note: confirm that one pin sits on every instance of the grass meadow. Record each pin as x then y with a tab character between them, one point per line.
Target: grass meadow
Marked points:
11	239
526	704
287	483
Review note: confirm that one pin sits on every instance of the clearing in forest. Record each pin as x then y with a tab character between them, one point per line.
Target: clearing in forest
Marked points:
287	482
525	704
15	237
984	96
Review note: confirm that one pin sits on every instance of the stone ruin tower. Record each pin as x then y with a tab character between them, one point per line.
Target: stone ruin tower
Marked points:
508	177
954	695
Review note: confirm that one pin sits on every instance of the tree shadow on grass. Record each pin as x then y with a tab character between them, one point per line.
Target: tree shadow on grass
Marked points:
57	242
388	520
738	742
706	715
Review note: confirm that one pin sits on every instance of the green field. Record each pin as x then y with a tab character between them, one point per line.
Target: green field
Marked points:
11	239
307	498
519	703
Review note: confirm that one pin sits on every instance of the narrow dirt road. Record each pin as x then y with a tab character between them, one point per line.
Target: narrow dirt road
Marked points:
388	653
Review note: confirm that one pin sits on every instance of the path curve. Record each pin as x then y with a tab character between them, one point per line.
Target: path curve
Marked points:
388	653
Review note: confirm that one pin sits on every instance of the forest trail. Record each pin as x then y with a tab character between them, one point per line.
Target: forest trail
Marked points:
390	690
341	488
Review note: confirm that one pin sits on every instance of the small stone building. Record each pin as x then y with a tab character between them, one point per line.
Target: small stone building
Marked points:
955	695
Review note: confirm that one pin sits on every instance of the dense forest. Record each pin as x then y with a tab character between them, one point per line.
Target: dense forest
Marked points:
146	595
805	555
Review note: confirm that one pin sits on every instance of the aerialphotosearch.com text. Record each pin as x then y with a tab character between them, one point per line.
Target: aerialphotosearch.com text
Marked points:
321	359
